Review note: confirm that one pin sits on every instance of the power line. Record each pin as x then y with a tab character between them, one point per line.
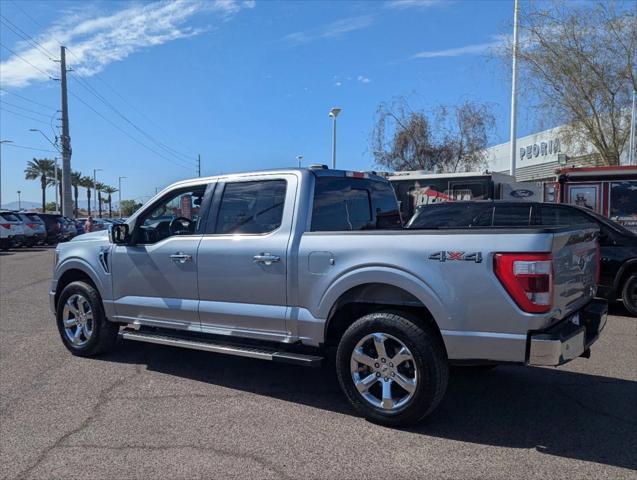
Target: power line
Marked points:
142	114
128	134
86	85
28	99
25	36
25	60
13	145
23	108
39	120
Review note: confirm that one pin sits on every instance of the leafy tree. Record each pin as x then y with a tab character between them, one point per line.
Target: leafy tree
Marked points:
128	207
577	62
51	207
109	191
449	139
40	169
87	182
76	181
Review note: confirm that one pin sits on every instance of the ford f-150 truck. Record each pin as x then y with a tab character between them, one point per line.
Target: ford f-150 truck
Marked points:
288	265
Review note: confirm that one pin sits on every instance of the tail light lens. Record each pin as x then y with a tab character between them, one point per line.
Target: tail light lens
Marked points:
528	278
32	225
5	225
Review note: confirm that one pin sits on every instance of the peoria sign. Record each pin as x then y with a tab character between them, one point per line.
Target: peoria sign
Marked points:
540	149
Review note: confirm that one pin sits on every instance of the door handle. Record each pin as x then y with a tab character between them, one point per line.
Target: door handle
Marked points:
266	258
181	257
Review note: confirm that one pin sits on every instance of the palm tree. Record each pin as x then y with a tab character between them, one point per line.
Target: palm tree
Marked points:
40	168
110	191
100	188
76	181
87	182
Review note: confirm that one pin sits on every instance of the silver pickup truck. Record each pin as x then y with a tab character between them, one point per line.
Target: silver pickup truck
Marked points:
290	265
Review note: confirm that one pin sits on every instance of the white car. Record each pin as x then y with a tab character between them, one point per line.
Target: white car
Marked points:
16	227
34	228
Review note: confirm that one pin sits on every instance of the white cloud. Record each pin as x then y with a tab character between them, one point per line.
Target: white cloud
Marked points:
338	84
331	30
95	42
474	49
363	79
402	4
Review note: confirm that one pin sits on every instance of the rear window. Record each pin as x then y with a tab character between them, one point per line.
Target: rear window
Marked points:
512	216
34	218
347	204
554	216
450	215
9	217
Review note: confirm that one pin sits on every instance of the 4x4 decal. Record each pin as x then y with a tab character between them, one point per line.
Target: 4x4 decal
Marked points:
467	256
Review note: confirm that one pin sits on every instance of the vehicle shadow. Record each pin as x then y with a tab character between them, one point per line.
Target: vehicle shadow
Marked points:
553	411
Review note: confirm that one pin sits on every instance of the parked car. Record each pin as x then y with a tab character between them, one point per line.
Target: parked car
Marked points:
16	226
34	228
6	237
618	276
285	265
53	225
69	230
79	226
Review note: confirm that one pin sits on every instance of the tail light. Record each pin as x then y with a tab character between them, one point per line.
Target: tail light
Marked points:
5	225
32	225
528	278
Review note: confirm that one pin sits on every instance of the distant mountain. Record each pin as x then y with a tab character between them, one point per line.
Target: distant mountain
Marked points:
25	204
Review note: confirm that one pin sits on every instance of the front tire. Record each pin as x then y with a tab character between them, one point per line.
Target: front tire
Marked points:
629	294
84	328
393	371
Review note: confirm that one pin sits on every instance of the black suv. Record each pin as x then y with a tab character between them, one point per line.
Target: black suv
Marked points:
618	278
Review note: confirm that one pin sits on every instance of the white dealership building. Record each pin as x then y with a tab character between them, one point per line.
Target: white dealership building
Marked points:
537	156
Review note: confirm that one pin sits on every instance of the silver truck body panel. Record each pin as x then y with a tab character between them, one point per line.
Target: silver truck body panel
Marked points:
224	289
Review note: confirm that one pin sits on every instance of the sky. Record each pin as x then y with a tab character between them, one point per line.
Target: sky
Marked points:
246	84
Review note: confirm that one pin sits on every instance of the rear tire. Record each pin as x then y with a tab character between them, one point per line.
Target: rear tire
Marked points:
84	328
629	294
398	383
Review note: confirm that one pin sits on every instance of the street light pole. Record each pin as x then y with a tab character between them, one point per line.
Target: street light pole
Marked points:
299	158
334	113
119	193
19	201
514	91
631	144
95	170
1	142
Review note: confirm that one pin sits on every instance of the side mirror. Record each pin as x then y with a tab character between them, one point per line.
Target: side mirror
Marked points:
118	234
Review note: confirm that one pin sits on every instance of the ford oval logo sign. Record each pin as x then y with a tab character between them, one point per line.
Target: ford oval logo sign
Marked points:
522	193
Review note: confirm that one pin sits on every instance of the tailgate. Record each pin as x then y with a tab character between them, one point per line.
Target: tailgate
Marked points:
575	263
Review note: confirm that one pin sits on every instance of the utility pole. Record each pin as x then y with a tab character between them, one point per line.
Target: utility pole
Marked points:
300	159
67	196
199	165
514	91
119	192
19	201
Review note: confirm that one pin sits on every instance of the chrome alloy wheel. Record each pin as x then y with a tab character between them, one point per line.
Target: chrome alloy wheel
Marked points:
384	371
78	320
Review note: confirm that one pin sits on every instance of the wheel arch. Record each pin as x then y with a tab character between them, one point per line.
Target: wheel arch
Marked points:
381	295
73	272
626	269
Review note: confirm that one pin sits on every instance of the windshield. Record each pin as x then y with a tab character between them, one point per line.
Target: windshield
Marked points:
9	217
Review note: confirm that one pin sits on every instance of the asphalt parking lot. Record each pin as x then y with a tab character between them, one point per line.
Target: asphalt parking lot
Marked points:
147	411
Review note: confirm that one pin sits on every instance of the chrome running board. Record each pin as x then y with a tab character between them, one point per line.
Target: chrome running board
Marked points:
262	353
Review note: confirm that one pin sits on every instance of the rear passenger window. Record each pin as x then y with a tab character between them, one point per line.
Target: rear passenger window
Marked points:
251	207
552	216
511	216
342	204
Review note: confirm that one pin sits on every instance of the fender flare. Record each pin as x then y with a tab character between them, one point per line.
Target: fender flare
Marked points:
75	263
388	276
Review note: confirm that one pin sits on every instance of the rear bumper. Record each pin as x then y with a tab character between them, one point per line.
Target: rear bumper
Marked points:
569	338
